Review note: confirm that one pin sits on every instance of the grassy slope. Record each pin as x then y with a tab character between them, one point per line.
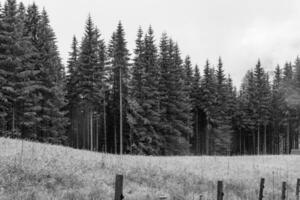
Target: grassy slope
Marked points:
55	172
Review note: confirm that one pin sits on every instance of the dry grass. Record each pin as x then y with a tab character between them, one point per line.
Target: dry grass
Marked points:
55	172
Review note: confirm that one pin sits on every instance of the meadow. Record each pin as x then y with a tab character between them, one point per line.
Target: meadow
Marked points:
30	170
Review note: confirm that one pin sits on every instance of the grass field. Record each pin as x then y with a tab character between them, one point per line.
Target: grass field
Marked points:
41	171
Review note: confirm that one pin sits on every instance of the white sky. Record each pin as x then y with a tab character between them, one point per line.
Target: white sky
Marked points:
240	31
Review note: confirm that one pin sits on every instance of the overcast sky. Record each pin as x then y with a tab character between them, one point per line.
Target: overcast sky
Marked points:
240	31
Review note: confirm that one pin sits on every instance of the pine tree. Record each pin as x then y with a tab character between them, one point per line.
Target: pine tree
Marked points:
208	102
223	110
118	60
71	95
52	121
143	117
277	108
173	110
151	90
3	98
90	85
27	82
287	84
140	138
196	110
9	64
248	103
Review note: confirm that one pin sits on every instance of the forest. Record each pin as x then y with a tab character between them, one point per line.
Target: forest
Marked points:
151	102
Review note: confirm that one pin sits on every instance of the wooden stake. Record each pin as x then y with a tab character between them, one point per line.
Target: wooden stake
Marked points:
220	191
283	191
298	189
119	187
261	189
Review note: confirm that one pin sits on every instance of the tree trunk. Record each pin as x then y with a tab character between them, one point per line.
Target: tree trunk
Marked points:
104	125
207	138
240	141
288	138
254	146
77	130
83	129
297	136
97	133
115	135
121	114
88	128
244	145
91	130
13	119
265	138
258	140
196	133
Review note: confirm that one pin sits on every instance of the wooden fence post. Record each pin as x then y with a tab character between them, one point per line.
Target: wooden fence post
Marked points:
261	189
220	190
163	197
200	197
283	191
119	187
297	189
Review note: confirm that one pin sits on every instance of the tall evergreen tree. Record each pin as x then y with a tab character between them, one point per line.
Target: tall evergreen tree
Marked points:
71	95
52	122
197	111
119	65
90	84
172	106
9	64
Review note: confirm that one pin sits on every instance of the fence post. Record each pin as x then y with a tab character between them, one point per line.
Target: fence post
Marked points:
200	197
283	191
297	189
163	197
119	187
261	189
220	191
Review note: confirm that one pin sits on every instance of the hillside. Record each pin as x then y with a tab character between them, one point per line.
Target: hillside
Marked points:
45	171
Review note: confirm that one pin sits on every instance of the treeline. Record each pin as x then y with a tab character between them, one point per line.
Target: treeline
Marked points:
153	102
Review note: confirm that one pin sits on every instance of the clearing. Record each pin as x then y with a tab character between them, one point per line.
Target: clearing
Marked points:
43	171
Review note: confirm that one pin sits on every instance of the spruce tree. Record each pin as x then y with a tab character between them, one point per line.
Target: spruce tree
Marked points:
143	116
277	109
208	103
196	110
173	110
118	60
151	90
89	85
27	82
9	64
50	76
71	95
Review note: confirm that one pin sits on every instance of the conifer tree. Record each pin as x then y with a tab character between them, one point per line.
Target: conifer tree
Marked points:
90	84
208	103
119	65
287	84
27	82
174	113
196	110
143	117
71	95
277	108
151	90
50	76
9	64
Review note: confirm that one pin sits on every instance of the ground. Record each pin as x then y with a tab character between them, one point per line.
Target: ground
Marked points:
31	170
